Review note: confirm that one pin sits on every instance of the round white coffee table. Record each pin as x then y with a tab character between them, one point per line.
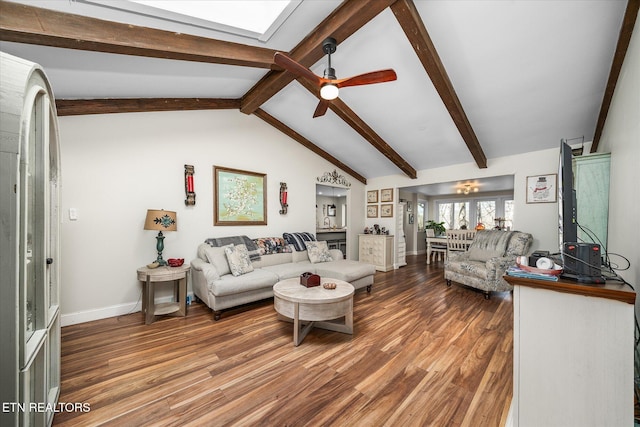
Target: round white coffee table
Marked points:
316	306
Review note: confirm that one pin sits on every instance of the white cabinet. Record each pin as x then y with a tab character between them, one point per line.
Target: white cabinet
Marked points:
401	245
573	349
29	244
376	249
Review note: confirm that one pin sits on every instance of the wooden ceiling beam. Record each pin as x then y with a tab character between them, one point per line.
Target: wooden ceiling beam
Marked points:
33	25
343	111
349	17
76	107
628	22
306	143
415	30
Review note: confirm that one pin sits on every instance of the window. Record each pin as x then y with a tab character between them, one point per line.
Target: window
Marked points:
486	212
470	212
420	215
453	214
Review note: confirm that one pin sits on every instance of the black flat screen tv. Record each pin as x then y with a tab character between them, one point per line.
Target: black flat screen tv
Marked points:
567	215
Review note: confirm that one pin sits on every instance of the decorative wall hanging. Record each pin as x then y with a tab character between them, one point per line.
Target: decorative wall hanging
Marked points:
334	178
386	195
372	211
188	185
372	196
542	188
240	197
283	198
386	211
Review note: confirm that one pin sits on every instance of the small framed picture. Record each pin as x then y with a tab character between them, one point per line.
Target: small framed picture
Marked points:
386	211
542	188
386	195
372	211
372	196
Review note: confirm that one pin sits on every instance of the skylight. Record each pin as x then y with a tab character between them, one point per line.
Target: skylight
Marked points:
257	19
256	16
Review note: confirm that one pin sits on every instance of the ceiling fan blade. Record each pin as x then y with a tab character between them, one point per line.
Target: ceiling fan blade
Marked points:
295	68
380	76
321	109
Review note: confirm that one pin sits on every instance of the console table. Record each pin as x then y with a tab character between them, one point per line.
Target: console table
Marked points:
573	347
150	276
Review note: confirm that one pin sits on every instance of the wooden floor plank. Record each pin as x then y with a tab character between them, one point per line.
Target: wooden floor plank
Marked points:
422	354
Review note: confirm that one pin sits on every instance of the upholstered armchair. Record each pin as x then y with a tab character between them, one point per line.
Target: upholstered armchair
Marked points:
491	253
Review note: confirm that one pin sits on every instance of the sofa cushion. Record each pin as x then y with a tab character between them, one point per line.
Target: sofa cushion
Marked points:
346	270
298	239
255	280
287	271
238	258
318	252
300	256
272	259
217	258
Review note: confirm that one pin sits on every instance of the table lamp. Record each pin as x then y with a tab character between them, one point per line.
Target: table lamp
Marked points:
160	220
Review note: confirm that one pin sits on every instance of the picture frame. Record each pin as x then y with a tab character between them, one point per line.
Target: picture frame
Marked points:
372	196
542	188
386	211
240	197
386	195
372	211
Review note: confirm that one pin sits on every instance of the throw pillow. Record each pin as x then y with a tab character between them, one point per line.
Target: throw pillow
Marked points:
298	239
238	258
478	254
318	251
218	259
272	245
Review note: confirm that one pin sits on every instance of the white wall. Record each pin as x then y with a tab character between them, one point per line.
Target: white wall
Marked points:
621	137
116	166
541	219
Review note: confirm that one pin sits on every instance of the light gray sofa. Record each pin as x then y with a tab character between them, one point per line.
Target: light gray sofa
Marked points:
491	253
214	284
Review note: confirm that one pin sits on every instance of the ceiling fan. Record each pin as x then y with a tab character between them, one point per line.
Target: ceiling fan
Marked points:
329	85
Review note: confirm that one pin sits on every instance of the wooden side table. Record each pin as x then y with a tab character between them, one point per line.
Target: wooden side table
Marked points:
149	276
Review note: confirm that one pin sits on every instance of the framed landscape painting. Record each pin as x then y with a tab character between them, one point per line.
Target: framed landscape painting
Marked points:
240	197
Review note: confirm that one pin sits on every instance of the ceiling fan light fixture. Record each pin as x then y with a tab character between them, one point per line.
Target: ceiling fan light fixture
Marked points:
329	91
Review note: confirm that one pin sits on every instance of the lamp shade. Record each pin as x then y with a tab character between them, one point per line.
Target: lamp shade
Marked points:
160	220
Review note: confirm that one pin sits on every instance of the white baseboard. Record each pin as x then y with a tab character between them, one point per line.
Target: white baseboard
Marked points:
68	319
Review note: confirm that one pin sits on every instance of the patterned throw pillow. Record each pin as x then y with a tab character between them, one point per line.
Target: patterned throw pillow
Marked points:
272	245
238	259
318	251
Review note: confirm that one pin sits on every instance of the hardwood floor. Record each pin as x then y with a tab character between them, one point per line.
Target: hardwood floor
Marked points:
421	354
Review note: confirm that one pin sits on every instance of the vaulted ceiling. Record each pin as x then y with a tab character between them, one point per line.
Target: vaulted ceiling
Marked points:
476	79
